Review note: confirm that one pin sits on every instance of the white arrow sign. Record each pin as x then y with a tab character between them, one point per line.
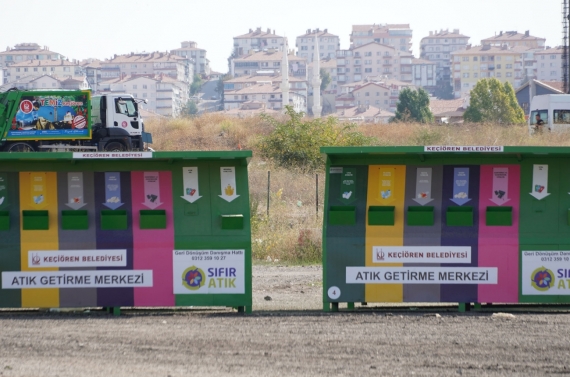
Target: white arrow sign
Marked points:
75	198
540	182
190	179
228	180
423	186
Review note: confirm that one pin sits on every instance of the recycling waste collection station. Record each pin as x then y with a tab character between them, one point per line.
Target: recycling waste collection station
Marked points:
134	229
465	224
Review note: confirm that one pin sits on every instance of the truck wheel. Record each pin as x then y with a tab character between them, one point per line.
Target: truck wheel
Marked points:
20	147
114	146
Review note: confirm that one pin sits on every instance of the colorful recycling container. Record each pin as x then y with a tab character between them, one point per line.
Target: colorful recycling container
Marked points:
465	224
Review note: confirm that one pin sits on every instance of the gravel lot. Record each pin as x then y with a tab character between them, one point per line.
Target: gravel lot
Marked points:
287	335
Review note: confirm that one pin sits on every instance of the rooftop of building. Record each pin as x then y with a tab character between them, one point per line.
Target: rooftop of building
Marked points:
511	36
441	106
45	63
270	55
379	26
550	50
256	89
365	111
352	47
259	33
152	57
27	48
492	50
317	32
422	61
263	79
445	34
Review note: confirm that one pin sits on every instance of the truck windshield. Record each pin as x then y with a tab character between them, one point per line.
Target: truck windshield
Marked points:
543	115
125	106
561	117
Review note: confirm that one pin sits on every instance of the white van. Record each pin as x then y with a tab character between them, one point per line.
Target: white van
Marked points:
553	109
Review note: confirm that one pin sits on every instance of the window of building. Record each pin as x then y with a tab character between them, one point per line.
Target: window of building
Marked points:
35	69
466	85
465	75
475	58
498	74
475	75
552	56
25	69
552	73
509	66
368	70
377	102
134	86
509	74
498	66
367	94
367	53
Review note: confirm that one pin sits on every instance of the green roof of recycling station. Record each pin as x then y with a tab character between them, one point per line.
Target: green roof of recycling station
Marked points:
135	156
445	151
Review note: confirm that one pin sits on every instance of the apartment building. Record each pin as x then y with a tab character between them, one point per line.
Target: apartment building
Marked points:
398	36
437	48
549	64
61	68
296	84
424	74
373	59
328	44
154	63
165	95
92	69
27	51
46	81
364	114
267	93
514	39
378	91
197	56
256	40
486	61
267	62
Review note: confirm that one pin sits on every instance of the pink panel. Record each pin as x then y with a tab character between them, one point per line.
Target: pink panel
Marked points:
153	247
499	245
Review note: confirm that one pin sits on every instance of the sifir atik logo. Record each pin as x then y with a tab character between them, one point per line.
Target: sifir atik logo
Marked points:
193	278
542	279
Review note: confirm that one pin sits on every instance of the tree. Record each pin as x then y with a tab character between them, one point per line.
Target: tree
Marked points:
295	143
190	109
325	79
494	102
220	89
413	105
196	84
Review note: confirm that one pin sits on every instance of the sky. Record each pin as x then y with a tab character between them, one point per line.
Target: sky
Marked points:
99	29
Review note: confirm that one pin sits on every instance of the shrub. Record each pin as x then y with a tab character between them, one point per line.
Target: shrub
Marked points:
295	142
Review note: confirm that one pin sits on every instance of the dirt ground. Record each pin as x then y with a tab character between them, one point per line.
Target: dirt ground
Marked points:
287	335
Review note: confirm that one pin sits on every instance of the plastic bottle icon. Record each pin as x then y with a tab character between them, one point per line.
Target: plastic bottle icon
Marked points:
229	190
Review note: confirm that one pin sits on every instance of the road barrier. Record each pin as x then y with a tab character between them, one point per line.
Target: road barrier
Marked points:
132	229
466	224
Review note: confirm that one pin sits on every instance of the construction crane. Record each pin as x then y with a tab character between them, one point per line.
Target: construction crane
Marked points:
565	47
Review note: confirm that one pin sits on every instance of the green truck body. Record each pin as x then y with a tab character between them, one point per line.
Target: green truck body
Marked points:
59	120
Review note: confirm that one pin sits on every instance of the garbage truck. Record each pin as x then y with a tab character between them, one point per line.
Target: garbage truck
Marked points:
70	120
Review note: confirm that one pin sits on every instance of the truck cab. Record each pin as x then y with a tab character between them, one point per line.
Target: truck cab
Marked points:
117	124
553	110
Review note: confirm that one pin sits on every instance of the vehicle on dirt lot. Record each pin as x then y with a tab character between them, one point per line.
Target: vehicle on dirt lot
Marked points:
552	109
70	120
